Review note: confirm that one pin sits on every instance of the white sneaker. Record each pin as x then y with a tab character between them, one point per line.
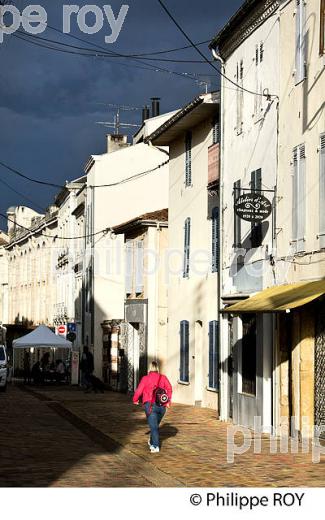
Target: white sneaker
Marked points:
154	450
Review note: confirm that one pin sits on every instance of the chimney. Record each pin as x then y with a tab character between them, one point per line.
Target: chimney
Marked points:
11	213
155	106
145	113
116	142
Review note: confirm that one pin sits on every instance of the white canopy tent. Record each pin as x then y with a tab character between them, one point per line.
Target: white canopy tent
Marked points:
42	337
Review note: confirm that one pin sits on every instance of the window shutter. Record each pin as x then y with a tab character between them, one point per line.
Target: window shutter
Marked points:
300	40
215	240
237	220
216	132
322	28
129	266
214	355
184	351
187	239
139	268
295	194
322	189
188	159
301	198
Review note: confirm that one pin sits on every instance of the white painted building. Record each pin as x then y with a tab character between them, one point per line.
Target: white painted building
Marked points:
122	184
3	278
249	48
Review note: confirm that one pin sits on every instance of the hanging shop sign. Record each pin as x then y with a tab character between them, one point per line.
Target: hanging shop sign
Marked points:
253	207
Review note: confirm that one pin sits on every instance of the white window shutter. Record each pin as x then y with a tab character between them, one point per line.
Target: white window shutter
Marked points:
301	199
295	194
322	191
129	267
139	268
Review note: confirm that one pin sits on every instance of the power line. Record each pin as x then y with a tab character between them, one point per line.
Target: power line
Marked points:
103	231
205	58
44	183
21	195
128	179
147	66
106	54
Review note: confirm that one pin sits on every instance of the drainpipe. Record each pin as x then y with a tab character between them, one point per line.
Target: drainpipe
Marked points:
223	383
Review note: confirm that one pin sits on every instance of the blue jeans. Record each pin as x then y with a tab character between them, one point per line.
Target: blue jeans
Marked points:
154	415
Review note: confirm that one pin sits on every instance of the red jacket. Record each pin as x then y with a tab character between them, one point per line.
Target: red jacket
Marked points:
147	386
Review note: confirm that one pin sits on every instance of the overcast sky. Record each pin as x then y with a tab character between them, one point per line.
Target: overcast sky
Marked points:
50	101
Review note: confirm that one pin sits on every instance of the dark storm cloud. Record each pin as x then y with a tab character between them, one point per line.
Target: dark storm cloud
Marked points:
50	102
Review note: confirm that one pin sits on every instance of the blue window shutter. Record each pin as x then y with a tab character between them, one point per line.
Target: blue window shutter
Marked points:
139	268
188	159
214	355
187	245
215	240
129	267
184	351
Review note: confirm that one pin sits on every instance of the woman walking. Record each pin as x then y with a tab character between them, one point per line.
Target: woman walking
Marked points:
156	393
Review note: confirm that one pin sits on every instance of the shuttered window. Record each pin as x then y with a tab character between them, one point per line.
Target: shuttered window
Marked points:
237	220
240	97
322	191
256	187
187	245
184	352
300	59
139	267
322	28
215	240
188	159
216	131
214	355
298	197
129	267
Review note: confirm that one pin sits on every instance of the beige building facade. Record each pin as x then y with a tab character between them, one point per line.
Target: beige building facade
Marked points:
192	135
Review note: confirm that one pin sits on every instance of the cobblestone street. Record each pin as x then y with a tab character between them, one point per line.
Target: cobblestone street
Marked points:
63	437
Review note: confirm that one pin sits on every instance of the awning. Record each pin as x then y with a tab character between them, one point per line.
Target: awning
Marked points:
280	298
42	337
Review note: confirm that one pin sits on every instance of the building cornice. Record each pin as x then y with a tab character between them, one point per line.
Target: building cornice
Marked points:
242	26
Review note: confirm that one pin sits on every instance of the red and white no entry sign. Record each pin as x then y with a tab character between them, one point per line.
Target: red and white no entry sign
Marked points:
62	329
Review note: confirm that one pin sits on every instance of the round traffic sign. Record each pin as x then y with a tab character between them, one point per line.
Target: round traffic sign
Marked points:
61	329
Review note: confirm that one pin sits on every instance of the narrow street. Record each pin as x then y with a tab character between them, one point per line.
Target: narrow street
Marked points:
62	437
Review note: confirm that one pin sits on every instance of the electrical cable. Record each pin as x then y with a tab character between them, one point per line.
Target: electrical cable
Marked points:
205	58
30	230
128	179
21	195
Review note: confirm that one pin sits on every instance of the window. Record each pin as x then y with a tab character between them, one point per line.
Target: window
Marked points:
256	229
322	191
129	267
214	355
184	352
215	240
187	240
240	96
139	268
298	197
216	131
261	52
237	220
248	357
300	41
322	28
188	159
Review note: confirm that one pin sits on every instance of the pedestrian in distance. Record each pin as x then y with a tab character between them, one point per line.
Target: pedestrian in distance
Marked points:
87	368
156	393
